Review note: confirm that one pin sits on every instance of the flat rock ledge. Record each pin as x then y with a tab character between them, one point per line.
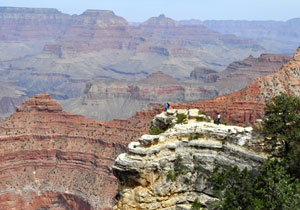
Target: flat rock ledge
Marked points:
171	170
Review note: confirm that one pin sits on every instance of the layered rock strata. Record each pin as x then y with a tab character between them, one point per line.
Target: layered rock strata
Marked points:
122	99
29	23
51	159
171	170
239	74
248	104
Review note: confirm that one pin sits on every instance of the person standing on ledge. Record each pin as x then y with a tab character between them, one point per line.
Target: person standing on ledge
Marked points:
167	105
219	118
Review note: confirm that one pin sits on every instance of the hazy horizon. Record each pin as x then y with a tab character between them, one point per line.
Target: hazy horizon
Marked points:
139	11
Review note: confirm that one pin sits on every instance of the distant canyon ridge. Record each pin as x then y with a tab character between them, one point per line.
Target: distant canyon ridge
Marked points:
99	65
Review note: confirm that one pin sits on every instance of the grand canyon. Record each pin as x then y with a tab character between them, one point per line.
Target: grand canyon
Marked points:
45	50
79	93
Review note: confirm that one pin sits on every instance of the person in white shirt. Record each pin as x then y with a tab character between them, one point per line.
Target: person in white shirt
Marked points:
219	118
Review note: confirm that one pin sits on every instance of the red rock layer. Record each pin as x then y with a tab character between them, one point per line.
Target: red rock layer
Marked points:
247	105
57	160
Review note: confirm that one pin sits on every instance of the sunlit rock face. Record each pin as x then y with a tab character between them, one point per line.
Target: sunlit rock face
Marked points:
172	169
51	159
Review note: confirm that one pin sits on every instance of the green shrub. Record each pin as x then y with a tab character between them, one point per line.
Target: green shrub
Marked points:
155	130
186	180
181	118
193	136
202	112
271	187
282	124
224	123
172	175
196	205
178	169
200	119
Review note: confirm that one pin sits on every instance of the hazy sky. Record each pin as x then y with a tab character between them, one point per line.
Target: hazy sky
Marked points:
140	10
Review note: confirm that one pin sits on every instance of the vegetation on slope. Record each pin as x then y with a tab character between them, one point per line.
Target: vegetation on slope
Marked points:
276	184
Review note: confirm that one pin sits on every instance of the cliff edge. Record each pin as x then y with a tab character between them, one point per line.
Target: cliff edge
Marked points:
171	170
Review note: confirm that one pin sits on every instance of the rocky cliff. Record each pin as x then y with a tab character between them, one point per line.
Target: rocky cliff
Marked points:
53	159
248	104
172	169
239	74
28	23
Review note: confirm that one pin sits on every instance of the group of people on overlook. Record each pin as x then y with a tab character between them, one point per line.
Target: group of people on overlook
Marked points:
167	105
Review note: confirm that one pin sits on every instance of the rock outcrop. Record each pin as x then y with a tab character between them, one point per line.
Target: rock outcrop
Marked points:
172	169
204	74
239	74
53	159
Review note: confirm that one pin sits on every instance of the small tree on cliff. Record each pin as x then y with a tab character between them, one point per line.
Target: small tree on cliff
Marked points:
282	124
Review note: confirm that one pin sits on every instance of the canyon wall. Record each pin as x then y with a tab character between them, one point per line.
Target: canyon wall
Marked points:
53	159
105	99
247	105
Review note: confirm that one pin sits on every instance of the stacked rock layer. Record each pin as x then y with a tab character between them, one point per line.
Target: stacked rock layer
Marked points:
171	170
50	159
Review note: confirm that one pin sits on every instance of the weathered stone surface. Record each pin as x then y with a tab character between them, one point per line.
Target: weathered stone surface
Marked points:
186	154
148	139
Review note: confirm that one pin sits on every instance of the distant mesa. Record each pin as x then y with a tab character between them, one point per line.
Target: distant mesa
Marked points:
103	18
159	78
29	10
161	20
98	13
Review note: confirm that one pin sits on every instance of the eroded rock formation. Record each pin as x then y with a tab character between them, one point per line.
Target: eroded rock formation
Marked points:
121	99
241	73
248	104
171	170
53	159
